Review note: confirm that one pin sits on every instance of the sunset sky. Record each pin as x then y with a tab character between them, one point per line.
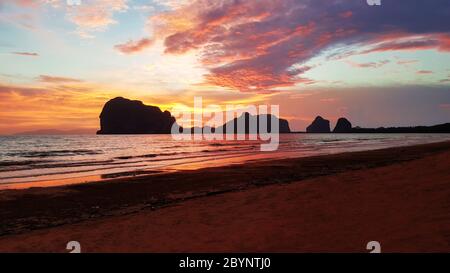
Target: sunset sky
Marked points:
385	65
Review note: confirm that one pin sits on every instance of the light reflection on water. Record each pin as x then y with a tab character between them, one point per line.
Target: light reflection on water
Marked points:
75	159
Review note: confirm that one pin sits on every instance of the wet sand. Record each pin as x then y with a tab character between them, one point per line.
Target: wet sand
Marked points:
397	196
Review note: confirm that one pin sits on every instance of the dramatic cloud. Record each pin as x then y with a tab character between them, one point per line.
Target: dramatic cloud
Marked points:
134	46
30	54
261	45
53	79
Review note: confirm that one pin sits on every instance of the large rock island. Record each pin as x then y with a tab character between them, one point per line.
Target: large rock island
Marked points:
319	125
343	125
124	116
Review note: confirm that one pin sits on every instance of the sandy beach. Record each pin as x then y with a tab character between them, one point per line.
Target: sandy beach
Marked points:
335	203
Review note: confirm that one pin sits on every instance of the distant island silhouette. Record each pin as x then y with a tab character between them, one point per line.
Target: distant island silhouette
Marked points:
125	116
245	119
343	125
319	125
56	132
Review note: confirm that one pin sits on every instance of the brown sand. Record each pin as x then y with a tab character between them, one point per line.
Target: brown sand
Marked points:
404	205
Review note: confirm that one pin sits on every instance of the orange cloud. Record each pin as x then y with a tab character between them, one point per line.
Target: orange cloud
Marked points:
26	108
346	14
444	44
253	80
134	46
53	79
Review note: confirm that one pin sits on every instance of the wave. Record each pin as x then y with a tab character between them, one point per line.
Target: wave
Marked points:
33	154
125	157
9	163
219	150
225	144
31	165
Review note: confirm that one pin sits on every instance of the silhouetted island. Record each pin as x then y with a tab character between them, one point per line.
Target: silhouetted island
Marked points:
319	125
124	116
245	119
440	128
343	125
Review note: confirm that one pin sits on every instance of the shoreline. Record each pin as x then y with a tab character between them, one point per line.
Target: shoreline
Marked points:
57	169
36	208
397	196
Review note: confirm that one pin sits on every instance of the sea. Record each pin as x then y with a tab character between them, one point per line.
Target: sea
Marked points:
49	160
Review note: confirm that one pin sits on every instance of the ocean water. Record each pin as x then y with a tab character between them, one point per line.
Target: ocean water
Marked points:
27	161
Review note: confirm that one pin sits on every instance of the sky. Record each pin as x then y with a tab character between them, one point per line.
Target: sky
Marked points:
386	65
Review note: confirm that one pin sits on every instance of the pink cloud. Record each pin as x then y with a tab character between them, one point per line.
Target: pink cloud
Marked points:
131	47
403	42
346	14
254	45
24	3
424	72
22	90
